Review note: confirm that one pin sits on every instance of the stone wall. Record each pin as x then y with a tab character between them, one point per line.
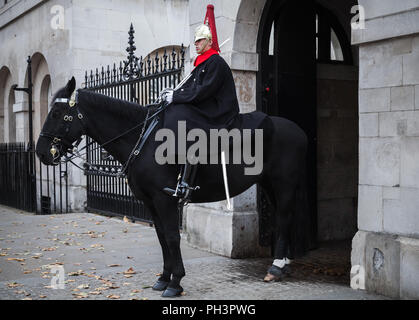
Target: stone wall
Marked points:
388	150
93	33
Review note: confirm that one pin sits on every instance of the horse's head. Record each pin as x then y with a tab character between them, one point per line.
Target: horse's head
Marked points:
62	127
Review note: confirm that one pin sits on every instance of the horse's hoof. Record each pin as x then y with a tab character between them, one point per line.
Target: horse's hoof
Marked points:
270	277
160	285
172	292
276	274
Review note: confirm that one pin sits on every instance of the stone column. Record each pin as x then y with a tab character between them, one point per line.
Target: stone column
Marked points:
211	226
1	124
386	246
21	111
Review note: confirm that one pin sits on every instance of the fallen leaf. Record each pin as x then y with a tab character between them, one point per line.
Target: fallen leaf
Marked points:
125	219
80	295
27	299
130	271
113	287
95	292
114	265
127	276
42	296
14	285
101	289
113	296
27	271
89	275
136	291
75	273
83	286
15	259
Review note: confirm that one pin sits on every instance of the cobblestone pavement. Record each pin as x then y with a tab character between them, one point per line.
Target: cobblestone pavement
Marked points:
108	258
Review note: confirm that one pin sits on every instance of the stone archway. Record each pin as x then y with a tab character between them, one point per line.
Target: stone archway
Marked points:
332	123
41	90
7	100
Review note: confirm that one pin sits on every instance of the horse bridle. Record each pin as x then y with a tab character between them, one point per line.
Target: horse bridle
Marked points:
59	140
62	141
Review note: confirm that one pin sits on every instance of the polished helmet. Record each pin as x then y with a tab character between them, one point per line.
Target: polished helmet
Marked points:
203	32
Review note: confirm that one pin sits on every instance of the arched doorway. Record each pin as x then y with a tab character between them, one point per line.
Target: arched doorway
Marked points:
11	116
306	74
7	100
41	92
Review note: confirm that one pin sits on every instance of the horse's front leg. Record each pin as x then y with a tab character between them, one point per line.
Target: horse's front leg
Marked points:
168	214
163	281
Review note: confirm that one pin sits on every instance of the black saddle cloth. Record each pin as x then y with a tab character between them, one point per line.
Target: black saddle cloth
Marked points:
194	119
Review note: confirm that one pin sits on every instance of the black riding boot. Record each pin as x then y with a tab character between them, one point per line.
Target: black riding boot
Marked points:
184	187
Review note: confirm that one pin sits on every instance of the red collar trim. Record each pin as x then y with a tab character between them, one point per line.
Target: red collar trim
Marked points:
205	56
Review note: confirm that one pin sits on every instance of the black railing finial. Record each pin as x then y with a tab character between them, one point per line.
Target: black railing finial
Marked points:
131	65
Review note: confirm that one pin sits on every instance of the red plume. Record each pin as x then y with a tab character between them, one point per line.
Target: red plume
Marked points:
209	18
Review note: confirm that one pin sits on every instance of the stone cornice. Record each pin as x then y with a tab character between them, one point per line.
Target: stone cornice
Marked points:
15	9
386	27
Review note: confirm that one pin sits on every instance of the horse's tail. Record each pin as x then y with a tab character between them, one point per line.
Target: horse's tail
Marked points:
301	219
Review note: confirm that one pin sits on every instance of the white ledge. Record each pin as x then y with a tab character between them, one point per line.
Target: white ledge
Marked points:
387	27
15	9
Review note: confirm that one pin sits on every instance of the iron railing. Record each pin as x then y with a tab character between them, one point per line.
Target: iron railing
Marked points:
17	182
137	80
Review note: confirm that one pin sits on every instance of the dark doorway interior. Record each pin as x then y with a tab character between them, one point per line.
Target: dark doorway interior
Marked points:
306	74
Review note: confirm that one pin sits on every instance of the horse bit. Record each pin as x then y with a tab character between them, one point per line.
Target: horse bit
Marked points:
68	119
73	148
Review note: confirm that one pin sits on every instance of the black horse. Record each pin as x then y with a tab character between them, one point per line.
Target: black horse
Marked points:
103	118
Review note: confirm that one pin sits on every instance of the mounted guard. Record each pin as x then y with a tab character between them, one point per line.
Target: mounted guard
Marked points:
207	100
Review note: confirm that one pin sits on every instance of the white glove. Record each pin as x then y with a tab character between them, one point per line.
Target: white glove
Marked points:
167	95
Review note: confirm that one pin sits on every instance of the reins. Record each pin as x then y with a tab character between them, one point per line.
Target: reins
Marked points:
73	148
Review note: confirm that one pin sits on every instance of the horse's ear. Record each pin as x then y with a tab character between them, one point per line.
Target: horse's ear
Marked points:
71	86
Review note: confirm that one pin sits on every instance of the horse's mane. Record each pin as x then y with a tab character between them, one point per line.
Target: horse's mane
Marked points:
121	108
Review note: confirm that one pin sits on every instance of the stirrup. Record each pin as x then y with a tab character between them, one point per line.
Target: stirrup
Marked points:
182	191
